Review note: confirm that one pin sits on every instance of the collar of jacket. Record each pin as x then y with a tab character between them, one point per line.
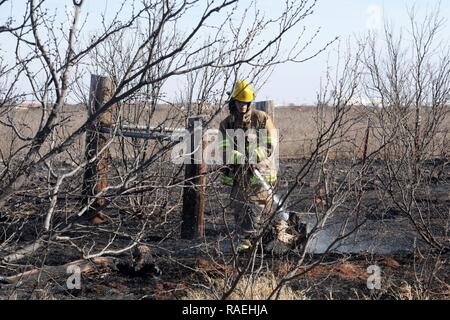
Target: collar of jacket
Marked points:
245	118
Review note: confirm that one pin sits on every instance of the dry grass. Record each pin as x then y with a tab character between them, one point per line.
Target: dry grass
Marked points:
249	288
414	290
297	127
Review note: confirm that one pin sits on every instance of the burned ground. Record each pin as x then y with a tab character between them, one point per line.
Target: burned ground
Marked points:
180	269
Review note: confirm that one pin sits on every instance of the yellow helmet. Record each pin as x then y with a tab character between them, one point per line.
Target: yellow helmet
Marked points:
243	92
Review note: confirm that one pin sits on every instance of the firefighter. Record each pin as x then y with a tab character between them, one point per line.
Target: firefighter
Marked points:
248	141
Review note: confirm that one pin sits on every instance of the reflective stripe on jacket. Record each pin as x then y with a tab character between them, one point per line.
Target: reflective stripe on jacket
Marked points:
265	146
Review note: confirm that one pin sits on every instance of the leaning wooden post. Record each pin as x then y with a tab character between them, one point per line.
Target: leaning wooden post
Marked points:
266	106
96	172
193	225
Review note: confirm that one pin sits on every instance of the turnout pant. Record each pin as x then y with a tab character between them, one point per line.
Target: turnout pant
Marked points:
252	207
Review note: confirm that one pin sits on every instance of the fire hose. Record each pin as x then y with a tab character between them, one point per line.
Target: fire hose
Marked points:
281	212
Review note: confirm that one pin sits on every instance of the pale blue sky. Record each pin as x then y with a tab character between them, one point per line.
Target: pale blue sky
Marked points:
346	19
290	83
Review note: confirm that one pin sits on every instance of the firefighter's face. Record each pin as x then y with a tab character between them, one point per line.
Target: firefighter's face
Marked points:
241	106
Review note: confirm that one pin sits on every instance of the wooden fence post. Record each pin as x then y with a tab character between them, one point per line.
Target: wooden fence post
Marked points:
96	172
193	225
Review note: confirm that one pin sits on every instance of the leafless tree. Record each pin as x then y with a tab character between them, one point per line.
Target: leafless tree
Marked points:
142	53
407	86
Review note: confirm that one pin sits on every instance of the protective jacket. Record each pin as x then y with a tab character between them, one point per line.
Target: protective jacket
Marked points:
260	146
